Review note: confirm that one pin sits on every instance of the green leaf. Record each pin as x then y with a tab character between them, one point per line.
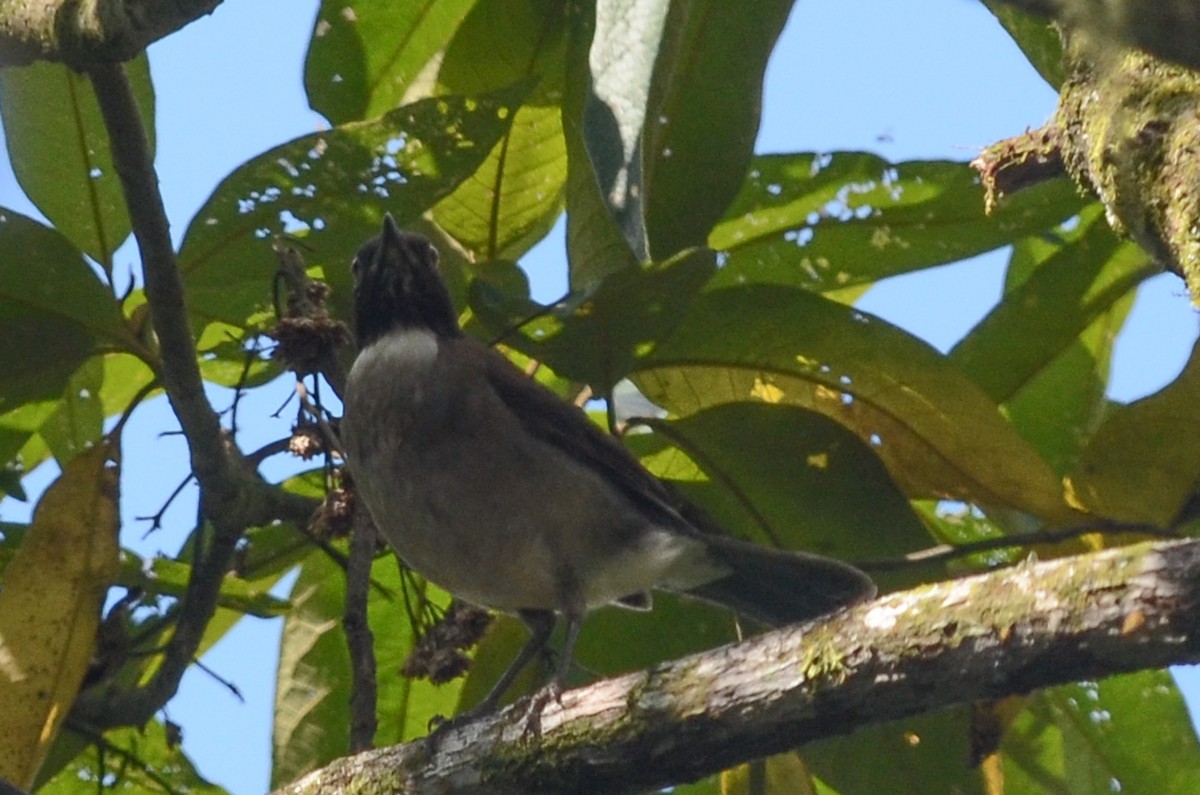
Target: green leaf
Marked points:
139	759
516	195
170	578
596	245
922	754
1129	733
312	693
1142	464
1050	368
51	303
786	476
332	188
703	112
625	42
825	222
939	434
60	152
11	535
79	419
366	56
1073	284
1036	37
623	318
16	429
776	775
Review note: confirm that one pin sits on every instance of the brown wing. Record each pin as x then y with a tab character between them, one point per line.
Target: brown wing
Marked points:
550	418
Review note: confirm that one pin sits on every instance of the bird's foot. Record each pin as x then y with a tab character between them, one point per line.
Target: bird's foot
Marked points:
537	705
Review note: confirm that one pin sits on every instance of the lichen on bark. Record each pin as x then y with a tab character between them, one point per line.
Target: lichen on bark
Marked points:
1129	128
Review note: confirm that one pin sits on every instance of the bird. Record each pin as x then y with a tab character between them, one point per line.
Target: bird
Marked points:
507	496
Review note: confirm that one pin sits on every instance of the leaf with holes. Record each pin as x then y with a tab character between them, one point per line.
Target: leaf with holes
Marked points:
826	222
332	188
367	56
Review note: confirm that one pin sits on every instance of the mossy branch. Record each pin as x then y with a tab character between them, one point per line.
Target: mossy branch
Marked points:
983	637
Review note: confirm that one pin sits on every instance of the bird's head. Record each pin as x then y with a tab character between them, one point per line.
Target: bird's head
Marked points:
397	286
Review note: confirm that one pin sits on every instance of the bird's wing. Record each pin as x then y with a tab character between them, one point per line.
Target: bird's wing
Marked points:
554	421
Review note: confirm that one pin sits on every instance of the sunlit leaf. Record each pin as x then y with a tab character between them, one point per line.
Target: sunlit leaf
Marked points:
1139	466
516	195
59	150
938	433
332	188
1051	306
141	759
366	55
830	221
1050	368
1036	37
1128	733
596	245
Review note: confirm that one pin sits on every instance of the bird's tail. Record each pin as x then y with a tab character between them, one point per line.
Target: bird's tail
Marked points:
779	587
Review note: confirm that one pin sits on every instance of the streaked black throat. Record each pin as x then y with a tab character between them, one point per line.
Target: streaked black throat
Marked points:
397	286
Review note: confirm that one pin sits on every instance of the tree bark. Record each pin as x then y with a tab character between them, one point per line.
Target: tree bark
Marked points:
82	33
982	637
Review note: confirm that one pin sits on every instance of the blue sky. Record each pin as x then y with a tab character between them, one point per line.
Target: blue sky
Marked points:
920	79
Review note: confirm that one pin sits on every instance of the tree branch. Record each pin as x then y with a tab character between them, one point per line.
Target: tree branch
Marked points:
232	496
84	33
907	653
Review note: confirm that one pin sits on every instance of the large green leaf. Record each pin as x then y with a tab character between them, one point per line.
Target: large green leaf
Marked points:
625	42
54	311
824	222
1128	733
787	476
515	196
312	695
78	421
366	55
1143	462
332	188
703	111
60	152
596	245
1050	368
1074	283
939	433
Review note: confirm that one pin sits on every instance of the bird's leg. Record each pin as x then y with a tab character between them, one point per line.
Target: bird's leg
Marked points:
554	690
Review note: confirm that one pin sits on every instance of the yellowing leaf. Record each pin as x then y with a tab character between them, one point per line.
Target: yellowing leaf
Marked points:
50	608
1141	465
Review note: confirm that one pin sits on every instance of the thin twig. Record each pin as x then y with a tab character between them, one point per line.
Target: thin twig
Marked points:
228	685
945	552
361	643
331	437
